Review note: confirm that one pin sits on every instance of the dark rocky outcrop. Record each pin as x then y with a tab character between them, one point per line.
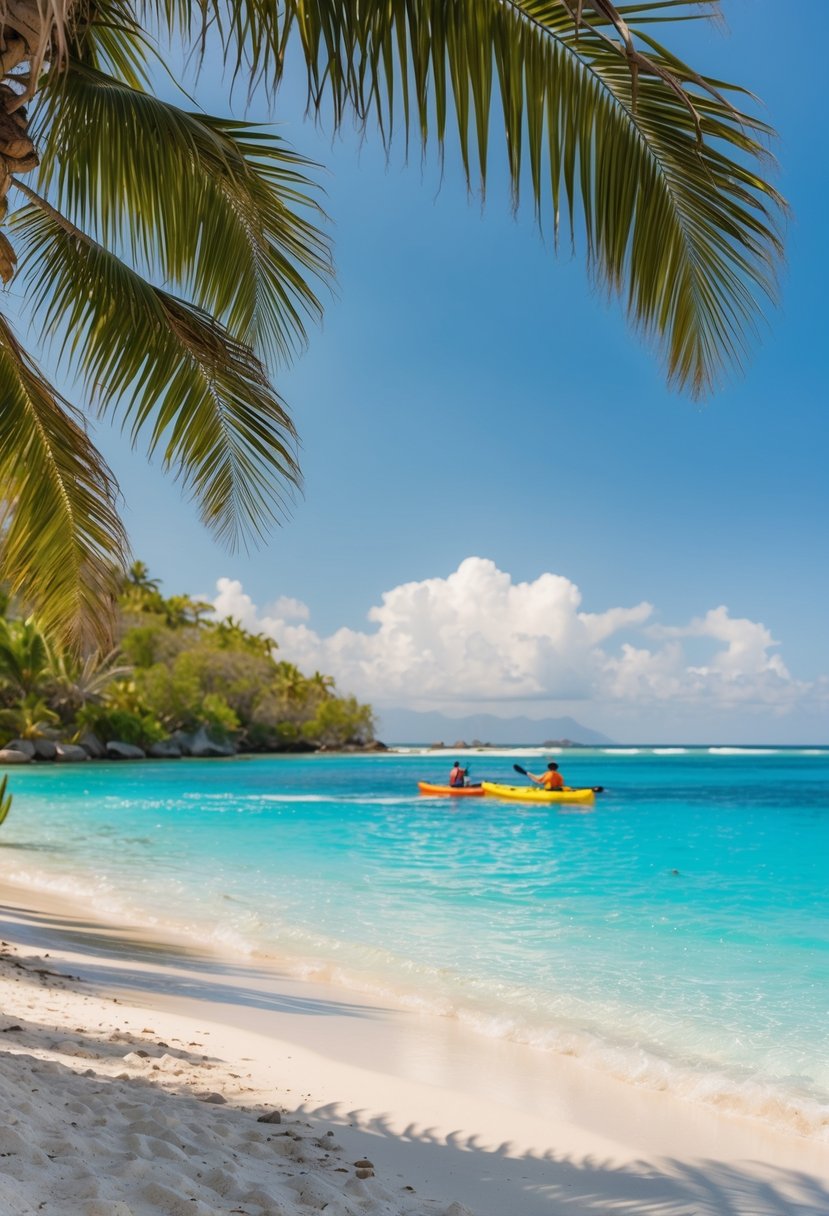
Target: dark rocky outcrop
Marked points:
10	755
93	745
166	749
26	746
198	744
116	750
201	745
69	753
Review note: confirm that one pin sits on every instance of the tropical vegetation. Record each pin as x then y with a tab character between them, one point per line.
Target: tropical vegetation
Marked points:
171	260
175	671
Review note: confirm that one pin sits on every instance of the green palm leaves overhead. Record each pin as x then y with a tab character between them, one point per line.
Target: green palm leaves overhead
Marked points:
174	260
654	166
132	193
61	535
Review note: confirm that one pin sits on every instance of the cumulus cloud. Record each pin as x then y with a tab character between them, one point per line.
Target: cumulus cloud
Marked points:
476	636
290	609
747	644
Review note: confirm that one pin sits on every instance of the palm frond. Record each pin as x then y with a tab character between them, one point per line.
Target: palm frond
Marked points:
654	165
61	541
223	210
203	398
5	800
106	37
24	655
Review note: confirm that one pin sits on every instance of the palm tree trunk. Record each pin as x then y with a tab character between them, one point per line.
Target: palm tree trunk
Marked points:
25	33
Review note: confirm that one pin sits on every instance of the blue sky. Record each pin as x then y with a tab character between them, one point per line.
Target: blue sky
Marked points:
469	395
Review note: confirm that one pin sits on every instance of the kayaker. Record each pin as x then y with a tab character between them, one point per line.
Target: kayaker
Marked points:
457	777
551	780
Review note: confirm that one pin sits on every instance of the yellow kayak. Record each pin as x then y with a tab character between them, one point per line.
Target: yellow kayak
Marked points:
529	793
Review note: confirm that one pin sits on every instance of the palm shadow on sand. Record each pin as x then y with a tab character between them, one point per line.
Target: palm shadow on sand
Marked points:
493	1180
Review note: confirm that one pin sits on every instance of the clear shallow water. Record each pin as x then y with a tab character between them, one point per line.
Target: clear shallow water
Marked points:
564	929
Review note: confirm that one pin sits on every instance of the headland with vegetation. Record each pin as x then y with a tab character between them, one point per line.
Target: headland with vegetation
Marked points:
179	681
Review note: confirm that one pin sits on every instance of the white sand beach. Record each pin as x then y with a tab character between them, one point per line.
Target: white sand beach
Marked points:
135	1072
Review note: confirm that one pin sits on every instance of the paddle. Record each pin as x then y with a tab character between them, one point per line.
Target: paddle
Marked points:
597	789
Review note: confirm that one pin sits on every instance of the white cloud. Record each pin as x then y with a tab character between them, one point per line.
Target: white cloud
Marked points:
747	643
476	637
233	601
290	609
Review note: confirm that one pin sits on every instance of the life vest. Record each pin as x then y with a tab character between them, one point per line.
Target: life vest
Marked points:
456	777
552	780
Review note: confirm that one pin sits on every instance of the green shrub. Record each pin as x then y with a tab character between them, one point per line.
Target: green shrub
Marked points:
127	726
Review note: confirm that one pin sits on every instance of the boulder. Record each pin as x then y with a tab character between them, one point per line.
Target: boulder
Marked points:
375	746
22	745
45	749
69	753
124	751
93	745
167	749
9	755
460	743
202	745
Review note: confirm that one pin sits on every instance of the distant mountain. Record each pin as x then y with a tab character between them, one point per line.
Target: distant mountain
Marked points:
413	726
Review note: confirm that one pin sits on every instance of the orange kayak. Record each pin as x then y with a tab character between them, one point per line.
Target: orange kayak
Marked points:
453	791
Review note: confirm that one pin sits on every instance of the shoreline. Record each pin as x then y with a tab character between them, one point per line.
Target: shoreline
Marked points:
432	751
597	1059
493	1125
216	837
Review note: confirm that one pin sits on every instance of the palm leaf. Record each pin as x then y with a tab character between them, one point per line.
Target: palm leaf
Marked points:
222	210
107	37
61	542
655	167
5	799
24	654
203	397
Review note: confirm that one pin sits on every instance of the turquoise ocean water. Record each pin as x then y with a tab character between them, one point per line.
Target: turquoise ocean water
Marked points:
676	935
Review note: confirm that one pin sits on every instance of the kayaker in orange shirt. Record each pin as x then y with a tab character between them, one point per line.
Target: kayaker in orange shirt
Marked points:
551	780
